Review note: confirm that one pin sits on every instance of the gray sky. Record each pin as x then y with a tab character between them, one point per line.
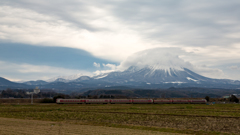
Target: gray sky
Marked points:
44	39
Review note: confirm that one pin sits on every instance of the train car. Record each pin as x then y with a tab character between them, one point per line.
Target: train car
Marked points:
97	101
127	101
162	101
203	101
70	101
181	101
120	101
142	101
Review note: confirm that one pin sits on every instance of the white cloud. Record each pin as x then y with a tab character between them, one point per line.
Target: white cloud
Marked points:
114	42
100	72
210	72
107	32
234	67
96	64
111	66
163	58
14	71
107	69
116	30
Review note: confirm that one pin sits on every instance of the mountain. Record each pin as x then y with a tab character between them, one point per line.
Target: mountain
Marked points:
38	82
65	78
61	80
82	78
157	76
4	84
135	77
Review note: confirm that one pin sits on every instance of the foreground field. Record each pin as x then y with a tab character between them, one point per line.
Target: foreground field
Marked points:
36	127
172	118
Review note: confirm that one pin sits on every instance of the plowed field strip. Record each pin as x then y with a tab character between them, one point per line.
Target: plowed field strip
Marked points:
167	114
163	114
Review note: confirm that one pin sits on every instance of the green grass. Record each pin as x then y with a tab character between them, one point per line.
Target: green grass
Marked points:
177	118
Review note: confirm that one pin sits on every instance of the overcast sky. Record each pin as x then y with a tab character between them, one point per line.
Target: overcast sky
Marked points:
44	39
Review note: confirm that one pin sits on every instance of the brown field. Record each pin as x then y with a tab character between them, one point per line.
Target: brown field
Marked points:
35	127
19	100
169	118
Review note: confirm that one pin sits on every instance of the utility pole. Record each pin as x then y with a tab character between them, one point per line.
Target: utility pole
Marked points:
32	98
35	91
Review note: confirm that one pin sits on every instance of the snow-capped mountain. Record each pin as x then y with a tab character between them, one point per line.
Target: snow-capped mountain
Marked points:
65	78
157	75
150	76
154	75
38	82
82	78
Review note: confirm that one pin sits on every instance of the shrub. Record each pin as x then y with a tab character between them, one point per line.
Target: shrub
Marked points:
234	99
207	98
47	100
56	97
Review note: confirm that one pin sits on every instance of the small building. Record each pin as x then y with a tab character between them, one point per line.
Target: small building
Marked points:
236	95
36	90
226	97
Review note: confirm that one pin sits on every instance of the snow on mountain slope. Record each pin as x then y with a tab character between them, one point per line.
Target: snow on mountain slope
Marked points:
65	78
154	74
155	66
100	76
191	79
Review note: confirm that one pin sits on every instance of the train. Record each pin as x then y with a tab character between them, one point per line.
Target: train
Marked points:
128	101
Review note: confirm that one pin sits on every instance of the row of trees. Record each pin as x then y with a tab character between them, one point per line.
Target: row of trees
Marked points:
232	98
23	94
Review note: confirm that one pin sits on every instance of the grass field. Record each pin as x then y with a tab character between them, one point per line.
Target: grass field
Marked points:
171	118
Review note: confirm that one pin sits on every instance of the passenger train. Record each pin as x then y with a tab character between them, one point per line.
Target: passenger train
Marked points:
128	101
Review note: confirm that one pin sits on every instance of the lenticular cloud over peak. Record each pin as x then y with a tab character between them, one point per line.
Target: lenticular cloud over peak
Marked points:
157	59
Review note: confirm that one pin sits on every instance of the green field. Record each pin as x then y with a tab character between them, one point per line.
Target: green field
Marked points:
175	118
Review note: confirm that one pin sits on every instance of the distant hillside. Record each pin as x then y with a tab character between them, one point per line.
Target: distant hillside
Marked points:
4	84
164	93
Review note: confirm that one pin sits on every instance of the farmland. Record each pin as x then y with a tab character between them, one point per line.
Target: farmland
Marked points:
168	118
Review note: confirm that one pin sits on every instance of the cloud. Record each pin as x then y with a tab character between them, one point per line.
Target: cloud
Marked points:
111	66
210	72
107	68
234	67
163	58
115	30
96	64
45	30
14	71
124	27
101	72
63	57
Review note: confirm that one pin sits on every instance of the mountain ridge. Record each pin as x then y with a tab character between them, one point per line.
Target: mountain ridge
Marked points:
149	77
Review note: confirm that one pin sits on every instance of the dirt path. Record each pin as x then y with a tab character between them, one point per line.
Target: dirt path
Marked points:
10	126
